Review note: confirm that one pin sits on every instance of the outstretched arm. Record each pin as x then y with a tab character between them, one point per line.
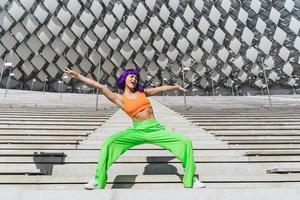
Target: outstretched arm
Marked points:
165	88
113	97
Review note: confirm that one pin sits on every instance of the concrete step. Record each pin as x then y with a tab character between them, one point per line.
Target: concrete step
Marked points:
130	152
247	124
43	127
39	137
260	142
283	170
194	137
203	147
217	117
47	123
60	112
38	142
272	153
290	132
52	118
142	157
264	146
251	128
196	145
27	158
262	138
43	132
138	179
204	169
151	191
243	119
240	114
64	119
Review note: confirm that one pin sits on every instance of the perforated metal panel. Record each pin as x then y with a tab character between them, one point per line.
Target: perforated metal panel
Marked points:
226	41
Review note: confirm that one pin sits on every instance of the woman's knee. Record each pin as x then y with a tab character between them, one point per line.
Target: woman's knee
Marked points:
107	142
187	142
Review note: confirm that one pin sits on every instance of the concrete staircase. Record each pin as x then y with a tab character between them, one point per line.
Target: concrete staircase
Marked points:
48	150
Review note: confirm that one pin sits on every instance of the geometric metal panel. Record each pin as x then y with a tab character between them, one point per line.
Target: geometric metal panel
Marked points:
30	23
230	26
48	54
19	32
38	62
294	25
126	51
193	35
8	41
172	53
27	68
131	22
188	14
247	36
123	32
51	5
145	33
87	18
265	45
154	23
68	37
235	45
109	20
164	13
64	15
54	25
34	43
15	10
158	43
118	10
274	15
5	20
227	41
45	35
100	30
243	16
203	25
40	13
219	36
23	51
284	53
214	15
280	35
141	12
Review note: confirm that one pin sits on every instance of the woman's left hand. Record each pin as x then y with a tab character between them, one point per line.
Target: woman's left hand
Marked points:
182	90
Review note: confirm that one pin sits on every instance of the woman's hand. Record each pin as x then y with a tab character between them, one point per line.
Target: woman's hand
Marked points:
181	89
71	73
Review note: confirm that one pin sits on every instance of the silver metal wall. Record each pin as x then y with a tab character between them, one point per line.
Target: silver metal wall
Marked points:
224	44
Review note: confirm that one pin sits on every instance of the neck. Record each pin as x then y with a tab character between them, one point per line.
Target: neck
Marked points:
128	91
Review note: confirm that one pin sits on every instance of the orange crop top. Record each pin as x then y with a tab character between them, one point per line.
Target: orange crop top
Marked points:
134	106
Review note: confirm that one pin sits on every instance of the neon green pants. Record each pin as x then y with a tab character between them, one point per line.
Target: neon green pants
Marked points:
147	131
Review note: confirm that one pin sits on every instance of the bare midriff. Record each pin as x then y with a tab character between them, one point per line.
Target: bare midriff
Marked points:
145	114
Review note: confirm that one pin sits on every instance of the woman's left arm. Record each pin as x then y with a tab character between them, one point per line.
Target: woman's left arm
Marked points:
165	88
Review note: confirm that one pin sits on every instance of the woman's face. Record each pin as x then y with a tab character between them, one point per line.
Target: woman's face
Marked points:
131	81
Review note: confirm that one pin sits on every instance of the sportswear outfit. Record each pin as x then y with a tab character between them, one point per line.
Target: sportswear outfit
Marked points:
148	131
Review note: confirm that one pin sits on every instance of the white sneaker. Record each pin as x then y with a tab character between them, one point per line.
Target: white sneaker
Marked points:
92	184
198	184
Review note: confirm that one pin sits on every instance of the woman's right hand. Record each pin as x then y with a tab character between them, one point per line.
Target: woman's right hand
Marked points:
71	73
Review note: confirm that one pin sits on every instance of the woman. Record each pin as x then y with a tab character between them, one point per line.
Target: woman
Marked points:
145	128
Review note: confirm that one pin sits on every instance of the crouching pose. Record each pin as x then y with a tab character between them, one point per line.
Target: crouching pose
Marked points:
144	129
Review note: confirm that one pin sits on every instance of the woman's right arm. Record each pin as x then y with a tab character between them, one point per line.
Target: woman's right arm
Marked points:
113	97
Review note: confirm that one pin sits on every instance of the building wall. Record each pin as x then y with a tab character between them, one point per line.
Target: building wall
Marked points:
223	44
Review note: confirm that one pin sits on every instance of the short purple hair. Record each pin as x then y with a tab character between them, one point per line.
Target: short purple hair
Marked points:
121	80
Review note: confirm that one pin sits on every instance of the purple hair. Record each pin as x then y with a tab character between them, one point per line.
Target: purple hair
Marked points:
121	80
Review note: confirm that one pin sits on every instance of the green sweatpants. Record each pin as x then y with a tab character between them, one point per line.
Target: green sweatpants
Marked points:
147	131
